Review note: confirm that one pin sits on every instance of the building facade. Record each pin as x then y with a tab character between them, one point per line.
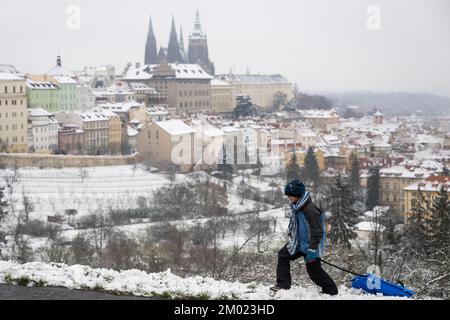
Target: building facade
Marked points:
187	86
95	127
13	113
261	88
42	94
42	131
167	143
71	139
221	96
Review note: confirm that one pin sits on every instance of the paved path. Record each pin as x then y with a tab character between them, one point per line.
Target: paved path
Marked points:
8	292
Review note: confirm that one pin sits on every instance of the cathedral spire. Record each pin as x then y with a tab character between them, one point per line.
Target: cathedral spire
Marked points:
198	32
181	39
173	50
150	47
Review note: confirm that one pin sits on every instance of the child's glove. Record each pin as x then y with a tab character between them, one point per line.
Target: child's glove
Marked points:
311	256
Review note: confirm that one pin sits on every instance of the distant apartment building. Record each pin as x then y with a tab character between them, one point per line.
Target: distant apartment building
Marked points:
128	111
323	120
54	93
429	189
148	95
392	183
71	139
187	86
42	131
86	99
115	130
167	143
96	128
43	94
13	113
157	113
261	88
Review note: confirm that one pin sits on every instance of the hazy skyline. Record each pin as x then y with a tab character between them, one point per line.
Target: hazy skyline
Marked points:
320	45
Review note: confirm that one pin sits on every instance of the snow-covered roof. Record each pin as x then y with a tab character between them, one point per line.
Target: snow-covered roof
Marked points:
332	139
92	116
39	112
218	83
120	106
403	172
106	112
369	226
313	113
10	76
175	127
157	110
428	139
254	78
378	114
131	131
60	71
212	132
65	80
44	85
182	71
431	184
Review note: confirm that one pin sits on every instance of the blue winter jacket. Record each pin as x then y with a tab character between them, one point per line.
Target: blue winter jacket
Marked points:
309	223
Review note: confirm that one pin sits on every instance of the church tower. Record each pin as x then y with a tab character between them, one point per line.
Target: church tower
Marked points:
151	56
173	50
198	47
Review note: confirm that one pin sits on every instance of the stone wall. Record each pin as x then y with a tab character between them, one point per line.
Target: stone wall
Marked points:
9	160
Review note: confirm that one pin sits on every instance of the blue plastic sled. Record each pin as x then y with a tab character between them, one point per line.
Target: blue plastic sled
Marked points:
374	285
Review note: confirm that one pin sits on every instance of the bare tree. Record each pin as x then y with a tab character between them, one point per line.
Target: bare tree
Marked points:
28	205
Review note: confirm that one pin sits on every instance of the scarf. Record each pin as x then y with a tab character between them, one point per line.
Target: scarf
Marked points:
293	237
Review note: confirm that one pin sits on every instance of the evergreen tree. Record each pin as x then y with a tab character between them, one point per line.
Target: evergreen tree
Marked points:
416	224
354	178
244	106
3	205
343	214
373	185
292	169
439	221
311	172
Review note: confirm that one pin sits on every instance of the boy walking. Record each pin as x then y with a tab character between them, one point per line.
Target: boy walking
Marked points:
306	239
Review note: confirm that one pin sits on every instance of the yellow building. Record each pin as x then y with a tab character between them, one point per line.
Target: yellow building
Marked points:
301	154
392	183
13	114
221	96
429	188
261	88
115	131
167	143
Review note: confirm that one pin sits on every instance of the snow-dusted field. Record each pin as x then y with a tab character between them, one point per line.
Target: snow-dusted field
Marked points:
164	284
52	191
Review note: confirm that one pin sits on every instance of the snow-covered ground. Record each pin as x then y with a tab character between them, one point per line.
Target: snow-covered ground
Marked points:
163	285
87	190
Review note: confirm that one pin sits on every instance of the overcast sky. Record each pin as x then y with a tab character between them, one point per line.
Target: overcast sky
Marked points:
322	45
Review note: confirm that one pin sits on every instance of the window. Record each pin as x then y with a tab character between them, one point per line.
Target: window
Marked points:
14	89
6	89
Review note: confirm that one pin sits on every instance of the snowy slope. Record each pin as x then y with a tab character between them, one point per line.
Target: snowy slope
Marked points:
164	284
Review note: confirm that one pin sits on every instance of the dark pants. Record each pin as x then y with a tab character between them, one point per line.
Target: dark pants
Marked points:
314	269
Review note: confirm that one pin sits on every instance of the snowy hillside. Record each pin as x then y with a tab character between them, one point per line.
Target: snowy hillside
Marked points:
52	191
162	285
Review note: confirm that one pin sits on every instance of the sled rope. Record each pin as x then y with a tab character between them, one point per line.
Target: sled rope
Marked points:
348	271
